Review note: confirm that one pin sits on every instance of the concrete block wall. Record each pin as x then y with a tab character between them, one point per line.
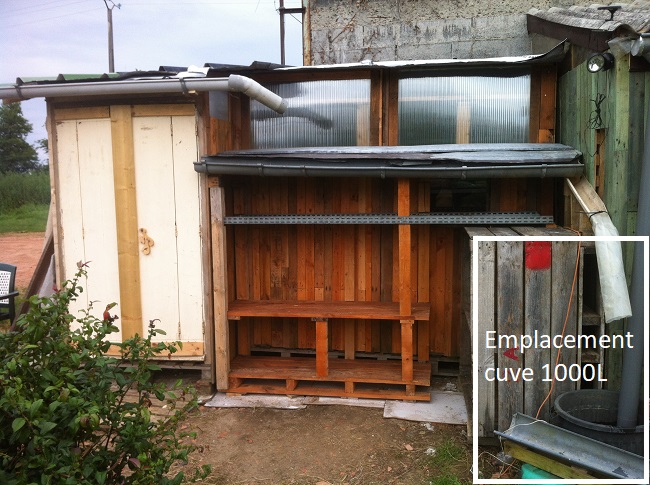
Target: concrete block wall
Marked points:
387	30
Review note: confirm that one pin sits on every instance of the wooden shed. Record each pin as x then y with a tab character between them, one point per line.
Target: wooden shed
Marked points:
316	252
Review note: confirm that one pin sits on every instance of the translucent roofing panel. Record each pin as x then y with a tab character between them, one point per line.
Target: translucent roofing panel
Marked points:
464	109
320	113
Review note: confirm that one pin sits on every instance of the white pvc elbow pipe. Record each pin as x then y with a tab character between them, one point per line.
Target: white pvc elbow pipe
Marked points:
255	90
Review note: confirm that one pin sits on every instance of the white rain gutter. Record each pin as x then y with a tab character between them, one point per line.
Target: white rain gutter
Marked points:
232	83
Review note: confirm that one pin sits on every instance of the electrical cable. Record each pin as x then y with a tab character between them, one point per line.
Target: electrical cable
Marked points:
566	321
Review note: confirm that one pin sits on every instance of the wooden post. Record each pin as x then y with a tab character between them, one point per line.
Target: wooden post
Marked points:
463	115
55	203
350	343
220	285
322	344
403	209
423	271
126	220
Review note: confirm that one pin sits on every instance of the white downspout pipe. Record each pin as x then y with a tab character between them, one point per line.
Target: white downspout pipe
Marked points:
147	86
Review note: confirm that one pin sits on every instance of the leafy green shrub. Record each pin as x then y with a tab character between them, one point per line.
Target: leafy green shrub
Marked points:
19	189
64	413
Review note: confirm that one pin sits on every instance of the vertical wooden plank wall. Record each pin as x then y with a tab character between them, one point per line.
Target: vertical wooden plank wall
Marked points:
518	295
486	303
321	262
611	149
330	263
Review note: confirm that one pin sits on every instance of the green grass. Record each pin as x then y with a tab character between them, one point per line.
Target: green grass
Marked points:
27	218
450	461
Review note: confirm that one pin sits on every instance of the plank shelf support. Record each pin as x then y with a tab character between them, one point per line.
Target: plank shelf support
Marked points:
320	312
346	378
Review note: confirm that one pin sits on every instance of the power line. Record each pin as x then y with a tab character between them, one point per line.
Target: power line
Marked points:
35	21
29	9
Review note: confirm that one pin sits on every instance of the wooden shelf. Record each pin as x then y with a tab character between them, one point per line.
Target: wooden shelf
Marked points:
319	310
346	378
340	370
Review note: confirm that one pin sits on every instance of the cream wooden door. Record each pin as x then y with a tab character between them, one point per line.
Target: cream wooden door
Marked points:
168	208
86	211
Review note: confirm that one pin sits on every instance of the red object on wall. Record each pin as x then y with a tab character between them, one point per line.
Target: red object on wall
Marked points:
538	255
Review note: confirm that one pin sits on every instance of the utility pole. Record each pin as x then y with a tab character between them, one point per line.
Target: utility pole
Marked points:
109	13
283	11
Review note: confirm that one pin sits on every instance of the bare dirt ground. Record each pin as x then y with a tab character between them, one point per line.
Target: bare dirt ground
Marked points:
327	445
22	250
317	445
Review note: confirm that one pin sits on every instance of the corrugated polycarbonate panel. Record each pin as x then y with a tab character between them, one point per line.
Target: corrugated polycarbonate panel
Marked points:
319	113
464	109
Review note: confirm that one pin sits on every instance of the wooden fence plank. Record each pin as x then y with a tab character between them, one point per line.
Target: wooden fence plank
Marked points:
537	304
486	392
220	287
563	307
510	316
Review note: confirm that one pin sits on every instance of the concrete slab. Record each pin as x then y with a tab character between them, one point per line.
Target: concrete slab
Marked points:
444	407
220	400
343	401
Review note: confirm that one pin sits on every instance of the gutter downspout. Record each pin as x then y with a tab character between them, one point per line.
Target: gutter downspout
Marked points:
148	86
632	372
613	284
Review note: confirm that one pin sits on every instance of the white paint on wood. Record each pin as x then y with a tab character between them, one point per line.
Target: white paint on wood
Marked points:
167	191
188	222
87	211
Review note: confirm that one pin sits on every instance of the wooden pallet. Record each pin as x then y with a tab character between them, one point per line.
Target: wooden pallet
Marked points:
346	378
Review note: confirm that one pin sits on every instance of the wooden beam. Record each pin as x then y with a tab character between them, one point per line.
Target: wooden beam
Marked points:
586	195
547	105
407	350
545	463
163	110
55	188
203	121
403	209
126	220
463	116
95	112
219	285
322	344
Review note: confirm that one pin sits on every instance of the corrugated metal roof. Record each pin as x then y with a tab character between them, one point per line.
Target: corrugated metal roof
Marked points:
212	70
442	161
554	55
78	78
591	26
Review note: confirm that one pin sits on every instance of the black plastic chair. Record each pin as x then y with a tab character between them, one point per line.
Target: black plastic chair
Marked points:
7	292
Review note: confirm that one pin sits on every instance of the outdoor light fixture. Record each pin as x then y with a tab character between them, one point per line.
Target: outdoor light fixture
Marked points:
600	61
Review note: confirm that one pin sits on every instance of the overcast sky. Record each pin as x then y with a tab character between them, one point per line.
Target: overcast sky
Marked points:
49	37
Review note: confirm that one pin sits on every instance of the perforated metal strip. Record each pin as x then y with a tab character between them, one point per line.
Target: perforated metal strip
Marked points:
477	218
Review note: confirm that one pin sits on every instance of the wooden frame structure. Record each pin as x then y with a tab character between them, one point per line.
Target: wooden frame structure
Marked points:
363	309
375	305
